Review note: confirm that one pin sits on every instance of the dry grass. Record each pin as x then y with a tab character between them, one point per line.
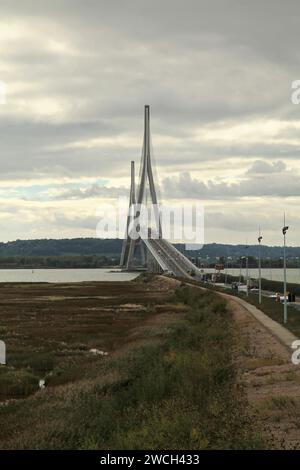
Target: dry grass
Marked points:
168	382
49	336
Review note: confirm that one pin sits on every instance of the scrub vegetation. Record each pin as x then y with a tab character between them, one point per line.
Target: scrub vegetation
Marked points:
168	382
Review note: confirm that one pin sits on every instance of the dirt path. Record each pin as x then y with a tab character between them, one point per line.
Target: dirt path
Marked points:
270	380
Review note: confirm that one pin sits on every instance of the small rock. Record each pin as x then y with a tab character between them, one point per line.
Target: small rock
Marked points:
96	352
42	384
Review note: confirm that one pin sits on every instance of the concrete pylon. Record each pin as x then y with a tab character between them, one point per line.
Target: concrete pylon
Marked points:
132	201
130	244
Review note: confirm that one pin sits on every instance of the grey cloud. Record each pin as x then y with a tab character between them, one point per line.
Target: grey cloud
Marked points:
184	59
196	62
84	222
279	185
241	221
261	166
94	190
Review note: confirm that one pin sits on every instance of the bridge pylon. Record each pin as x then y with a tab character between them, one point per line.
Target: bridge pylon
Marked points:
137	200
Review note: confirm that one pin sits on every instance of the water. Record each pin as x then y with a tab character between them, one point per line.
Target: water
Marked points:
81	275
64	275
274	274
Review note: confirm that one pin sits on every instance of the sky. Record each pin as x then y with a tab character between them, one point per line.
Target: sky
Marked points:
218	76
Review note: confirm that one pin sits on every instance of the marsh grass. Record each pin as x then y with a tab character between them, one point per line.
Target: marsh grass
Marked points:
180	393
17	383
176	391
49	329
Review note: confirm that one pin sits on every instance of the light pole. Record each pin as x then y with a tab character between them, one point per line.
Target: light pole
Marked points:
284	230
247	274
247	277
259	267
298	267
240	276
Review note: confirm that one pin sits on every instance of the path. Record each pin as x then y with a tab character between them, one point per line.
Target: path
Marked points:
265	371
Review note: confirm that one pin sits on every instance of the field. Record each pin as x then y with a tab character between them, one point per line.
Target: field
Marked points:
168	379
49	330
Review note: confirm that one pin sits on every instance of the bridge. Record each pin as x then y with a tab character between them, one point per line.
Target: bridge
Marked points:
155	252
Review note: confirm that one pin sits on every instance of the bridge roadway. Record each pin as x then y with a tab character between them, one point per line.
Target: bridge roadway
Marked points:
169	258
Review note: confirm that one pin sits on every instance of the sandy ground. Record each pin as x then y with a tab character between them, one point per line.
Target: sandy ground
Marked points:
270	380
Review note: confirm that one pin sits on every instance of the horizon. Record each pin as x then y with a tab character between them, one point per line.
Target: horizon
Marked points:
121	239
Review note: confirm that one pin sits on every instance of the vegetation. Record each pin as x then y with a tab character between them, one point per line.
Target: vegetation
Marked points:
170	384
210	254
269	306
275	311
46	262
266	284
49	329
62	247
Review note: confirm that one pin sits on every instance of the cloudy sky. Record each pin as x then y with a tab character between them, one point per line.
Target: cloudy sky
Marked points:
217	74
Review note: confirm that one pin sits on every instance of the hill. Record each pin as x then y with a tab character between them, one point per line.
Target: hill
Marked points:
112	248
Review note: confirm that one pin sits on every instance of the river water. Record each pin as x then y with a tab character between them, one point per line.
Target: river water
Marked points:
81	275
274	274
64	275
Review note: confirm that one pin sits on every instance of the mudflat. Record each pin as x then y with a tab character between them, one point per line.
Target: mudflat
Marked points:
58	332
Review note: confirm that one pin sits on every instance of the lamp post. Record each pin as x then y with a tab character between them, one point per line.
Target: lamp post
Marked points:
259	266
247	273
298	267
247	277
284	230
240	276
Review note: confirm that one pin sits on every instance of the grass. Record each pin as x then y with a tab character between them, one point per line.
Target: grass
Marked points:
175	388
267	284
17	383
49	329
271	308
275	311
256	363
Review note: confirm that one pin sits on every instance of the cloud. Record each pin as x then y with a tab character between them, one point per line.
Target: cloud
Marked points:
255	183
261	167
216	74
93	191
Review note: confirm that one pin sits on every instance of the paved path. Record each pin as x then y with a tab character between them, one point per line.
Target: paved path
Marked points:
277	330
281	333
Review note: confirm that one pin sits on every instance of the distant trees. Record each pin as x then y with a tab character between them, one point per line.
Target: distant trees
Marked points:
95	252
40	262
65	247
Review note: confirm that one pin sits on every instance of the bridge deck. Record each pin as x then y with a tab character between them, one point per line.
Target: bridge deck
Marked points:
169	258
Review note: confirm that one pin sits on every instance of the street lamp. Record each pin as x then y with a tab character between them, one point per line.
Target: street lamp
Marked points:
227	267
247	273
259	266
284	230
298	267
241	263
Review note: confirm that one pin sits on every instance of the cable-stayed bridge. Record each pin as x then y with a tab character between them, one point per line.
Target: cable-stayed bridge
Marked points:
155	252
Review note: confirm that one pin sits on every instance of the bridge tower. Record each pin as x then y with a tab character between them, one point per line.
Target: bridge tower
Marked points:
146	180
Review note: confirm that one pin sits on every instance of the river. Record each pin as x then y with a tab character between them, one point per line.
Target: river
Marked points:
64	275
274	274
